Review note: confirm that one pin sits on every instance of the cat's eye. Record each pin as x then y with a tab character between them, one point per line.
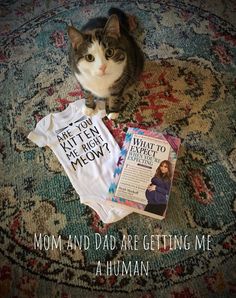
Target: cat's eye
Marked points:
109	52
89	58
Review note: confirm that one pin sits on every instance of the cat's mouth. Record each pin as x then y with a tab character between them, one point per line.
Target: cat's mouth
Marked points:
100	75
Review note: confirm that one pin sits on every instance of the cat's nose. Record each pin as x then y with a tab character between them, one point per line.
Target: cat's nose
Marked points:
103	68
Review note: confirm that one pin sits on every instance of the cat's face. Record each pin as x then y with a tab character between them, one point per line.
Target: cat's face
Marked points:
99	53
101	60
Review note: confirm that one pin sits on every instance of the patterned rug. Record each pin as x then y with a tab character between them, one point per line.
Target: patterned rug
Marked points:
187	89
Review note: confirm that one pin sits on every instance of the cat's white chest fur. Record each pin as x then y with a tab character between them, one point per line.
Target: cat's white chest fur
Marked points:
98	86
91	78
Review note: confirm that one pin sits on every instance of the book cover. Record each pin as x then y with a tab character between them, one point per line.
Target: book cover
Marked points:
144	172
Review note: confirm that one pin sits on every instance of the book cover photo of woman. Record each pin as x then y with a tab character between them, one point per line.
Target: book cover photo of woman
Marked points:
157	192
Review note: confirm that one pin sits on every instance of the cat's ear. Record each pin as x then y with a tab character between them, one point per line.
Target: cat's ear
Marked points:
76	37
112	27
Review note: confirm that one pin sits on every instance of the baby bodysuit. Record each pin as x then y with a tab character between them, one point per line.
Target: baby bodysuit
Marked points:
87	152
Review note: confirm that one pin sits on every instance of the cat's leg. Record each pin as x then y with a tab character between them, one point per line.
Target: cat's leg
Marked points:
90	107
113	116
114	107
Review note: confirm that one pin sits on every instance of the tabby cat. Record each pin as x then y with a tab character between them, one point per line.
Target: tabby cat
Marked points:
105	59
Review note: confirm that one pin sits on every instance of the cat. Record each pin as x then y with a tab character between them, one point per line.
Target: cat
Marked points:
105	59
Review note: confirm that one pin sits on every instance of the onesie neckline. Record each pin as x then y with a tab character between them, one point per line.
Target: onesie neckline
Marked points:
68	114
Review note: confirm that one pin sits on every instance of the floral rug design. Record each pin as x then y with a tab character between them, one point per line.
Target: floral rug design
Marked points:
187	89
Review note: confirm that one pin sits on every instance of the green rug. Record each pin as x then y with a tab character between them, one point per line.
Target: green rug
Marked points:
187	89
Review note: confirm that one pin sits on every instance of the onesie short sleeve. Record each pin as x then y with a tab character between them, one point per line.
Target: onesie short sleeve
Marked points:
39	134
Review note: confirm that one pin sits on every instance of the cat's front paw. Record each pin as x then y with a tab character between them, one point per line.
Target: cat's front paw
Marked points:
88	111
113	116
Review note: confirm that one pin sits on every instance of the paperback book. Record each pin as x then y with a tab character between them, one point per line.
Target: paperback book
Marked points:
144	172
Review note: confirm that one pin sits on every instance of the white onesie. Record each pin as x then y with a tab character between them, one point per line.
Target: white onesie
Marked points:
87	152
